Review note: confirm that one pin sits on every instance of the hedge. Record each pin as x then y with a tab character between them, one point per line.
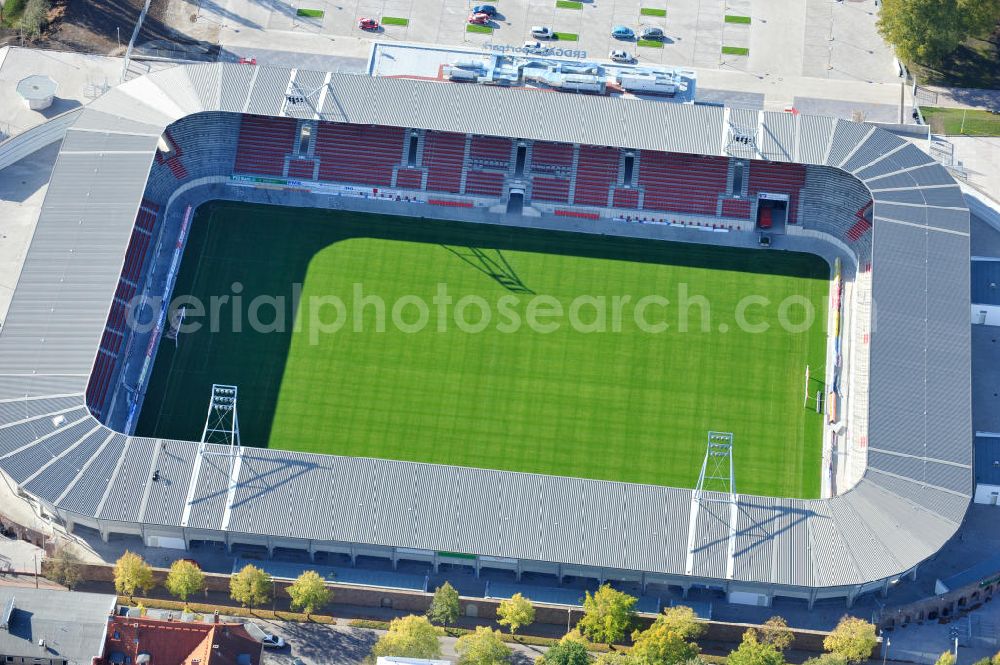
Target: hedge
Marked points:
230	610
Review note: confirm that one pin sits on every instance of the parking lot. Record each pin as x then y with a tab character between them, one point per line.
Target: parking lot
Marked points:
814	38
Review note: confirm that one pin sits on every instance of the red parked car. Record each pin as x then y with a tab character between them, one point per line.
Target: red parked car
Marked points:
368	23
479	19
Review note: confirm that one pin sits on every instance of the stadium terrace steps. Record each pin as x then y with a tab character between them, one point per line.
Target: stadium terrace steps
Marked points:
551	170
263	143
826	194
302	168
444	157
146	218
484	183
551	157
545	188
682	183
410	178
358	153
596	173
737	208
625	197
778	179
488	152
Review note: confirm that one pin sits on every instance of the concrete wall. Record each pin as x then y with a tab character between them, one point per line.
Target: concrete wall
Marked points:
944	607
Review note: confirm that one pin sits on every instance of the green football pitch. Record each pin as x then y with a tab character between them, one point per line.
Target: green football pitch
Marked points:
596	390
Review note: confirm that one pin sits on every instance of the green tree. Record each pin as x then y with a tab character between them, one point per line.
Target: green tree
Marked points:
853	640
946	658
754	652
250	587
826	659
607	615
309	592
615	658
775	631
995	660
445	608
132	573
35	17
980	17
184	579
928	30
515	612
63	567
483	647
409	637
570	650
669	640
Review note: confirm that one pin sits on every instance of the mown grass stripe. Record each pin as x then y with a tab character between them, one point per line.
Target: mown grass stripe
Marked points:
735	50
652	11
732	18
310	13
567	36
483	29
569	4
395	20
650	43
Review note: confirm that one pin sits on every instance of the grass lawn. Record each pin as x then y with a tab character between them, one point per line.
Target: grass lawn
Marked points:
566	36
473	27
631	405
652	11
735	50
569	4
394	20
732	18
650	43
310	13
949	121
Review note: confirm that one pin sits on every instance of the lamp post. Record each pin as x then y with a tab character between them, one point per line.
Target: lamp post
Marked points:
885	651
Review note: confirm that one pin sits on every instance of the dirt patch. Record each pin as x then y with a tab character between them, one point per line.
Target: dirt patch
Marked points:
105	26
85	26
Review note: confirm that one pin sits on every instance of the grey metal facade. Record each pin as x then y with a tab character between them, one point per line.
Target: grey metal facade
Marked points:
909	503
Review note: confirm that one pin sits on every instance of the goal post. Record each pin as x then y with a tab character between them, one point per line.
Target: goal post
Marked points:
805	392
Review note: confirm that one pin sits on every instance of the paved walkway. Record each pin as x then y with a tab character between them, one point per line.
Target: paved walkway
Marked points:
980	156
966	98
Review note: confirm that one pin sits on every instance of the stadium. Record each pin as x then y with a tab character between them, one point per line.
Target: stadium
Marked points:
169	171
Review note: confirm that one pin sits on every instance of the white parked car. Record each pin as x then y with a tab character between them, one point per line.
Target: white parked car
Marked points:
542	32
273	641
533	47
621	56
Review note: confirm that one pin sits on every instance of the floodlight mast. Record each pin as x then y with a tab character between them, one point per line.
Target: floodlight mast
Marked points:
717	473
716	485
222	424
